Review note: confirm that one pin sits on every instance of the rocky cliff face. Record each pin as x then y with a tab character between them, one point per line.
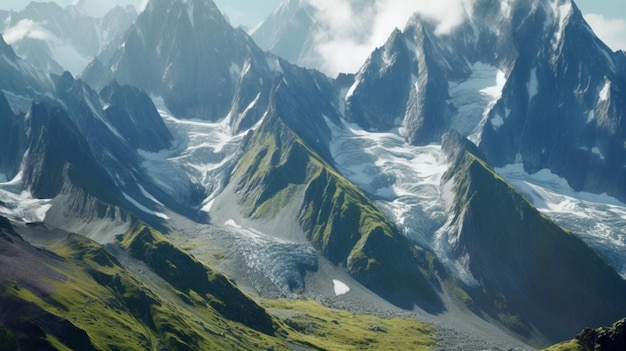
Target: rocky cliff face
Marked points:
556	109
180	38
525	270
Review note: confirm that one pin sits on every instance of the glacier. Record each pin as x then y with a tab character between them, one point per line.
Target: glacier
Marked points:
599	220
404	180
18	204
202	158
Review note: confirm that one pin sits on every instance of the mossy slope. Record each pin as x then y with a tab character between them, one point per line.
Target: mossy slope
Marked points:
535	277
81	298
188	275
278	170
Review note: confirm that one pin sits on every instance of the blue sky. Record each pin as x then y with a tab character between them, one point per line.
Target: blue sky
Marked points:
250	12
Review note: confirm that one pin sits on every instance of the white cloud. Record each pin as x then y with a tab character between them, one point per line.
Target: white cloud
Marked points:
26	29
611	31
351	29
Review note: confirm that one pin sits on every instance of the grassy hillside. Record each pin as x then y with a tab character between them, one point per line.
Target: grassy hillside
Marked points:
80	297
278	170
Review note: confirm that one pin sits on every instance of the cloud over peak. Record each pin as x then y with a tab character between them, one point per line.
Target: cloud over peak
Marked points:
349	30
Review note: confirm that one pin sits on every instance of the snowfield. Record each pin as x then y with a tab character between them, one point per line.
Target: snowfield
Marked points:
475	97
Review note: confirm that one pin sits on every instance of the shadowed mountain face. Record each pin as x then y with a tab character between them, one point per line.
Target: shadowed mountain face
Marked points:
187	117
529	273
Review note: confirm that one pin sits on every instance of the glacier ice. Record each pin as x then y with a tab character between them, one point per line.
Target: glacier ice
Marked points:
599	220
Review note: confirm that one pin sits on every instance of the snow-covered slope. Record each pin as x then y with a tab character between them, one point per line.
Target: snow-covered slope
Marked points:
600	220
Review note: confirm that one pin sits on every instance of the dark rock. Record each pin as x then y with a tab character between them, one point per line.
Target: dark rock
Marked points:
604	339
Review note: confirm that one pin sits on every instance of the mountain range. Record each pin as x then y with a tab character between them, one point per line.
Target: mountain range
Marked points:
473	178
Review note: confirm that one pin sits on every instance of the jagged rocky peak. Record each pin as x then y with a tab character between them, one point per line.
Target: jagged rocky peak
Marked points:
133	114
12	135
517	77
6	50
67	38
389	72
289	33
201	66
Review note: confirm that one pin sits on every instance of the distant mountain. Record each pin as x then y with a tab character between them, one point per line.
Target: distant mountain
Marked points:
56	39
180	38
289	32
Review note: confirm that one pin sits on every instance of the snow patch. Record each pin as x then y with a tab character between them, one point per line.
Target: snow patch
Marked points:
144	208
274	64
190	12
232	224
563	13
606	91
234	70
149	196
597	151
251	105
533	84
352	89
340	287
591	116
497	121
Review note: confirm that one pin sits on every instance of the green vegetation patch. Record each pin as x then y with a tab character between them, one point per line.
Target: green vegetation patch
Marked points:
313	325
188	275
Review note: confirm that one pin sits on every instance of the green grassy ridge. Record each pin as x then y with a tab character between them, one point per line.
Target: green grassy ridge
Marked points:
278	169
274	164
535	276
90	297
188	275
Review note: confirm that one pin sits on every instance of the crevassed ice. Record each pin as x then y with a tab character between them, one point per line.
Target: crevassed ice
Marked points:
19	205
403	179
600	220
